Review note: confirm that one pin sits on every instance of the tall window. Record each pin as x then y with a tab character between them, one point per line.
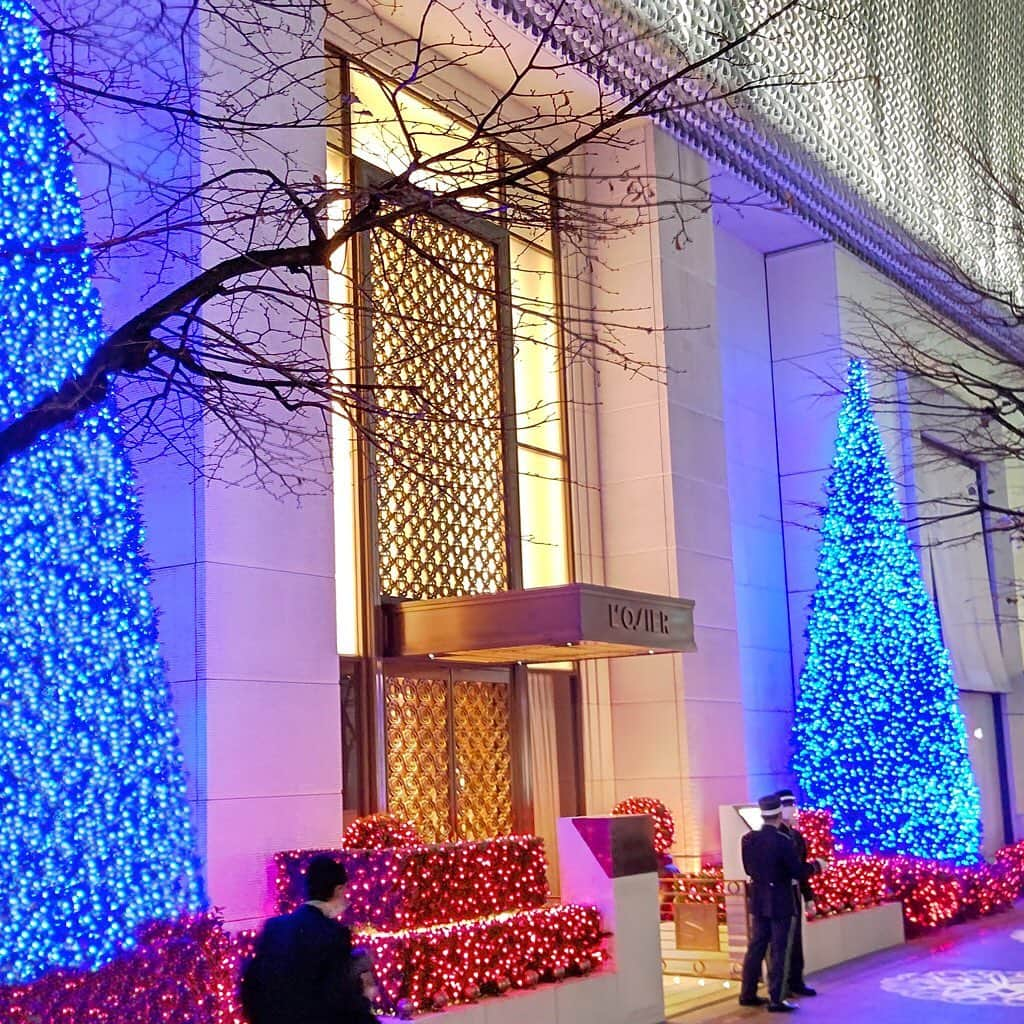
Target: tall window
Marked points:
956	557
461	342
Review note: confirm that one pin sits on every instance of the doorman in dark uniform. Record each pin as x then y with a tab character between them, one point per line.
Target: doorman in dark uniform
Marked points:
770	859
795	983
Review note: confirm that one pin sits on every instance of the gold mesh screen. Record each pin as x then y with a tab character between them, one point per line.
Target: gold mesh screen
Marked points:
440	487
483	758
438	731
418	770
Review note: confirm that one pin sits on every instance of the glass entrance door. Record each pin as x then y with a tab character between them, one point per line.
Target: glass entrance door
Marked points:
448	735
982	745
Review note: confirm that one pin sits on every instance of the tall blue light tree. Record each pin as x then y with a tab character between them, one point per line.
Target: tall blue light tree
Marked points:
95	830
878	732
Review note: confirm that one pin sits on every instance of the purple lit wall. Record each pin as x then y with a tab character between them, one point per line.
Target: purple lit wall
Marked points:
758	559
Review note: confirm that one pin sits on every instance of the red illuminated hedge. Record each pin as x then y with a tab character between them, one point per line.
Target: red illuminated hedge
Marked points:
933	894
448	923
380	832
660	815
459	961
415	886
187	971
181	971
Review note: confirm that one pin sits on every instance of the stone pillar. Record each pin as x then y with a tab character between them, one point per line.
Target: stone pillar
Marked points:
807	365
270	665
677	721
1012	635
581	386
813	294
244	576
762	612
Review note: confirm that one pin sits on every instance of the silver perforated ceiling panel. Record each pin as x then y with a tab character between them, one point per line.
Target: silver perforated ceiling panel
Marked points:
877	148
905	94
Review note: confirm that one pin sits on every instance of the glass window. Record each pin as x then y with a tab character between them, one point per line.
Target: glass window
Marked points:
393	129
542	500
343	436
537	358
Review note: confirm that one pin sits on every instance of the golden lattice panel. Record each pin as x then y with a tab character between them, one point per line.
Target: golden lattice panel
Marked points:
439	466
483	759
418	776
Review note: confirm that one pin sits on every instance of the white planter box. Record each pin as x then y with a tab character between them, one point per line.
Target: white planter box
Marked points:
833	940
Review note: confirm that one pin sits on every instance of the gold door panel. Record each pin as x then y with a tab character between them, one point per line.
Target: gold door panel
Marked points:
418	771
449	755
483	758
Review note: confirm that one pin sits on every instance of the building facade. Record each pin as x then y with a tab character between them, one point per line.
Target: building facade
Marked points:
584	575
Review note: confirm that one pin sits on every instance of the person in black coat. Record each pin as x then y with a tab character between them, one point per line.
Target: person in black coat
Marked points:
771	861
303	970
795	983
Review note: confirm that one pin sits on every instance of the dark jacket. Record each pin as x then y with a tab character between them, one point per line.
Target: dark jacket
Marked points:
771	860
302	973
801	851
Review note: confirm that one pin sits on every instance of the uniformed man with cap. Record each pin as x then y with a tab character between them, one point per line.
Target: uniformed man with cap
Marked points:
771	860
804	896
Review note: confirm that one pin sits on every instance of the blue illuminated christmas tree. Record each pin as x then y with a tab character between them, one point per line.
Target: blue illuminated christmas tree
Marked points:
879	735
95	830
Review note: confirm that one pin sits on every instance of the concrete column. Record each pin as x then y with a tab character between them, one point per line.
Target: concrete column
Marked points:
677	722
755	505
581	385
807	367
247	597
267	673
1012	635
814	292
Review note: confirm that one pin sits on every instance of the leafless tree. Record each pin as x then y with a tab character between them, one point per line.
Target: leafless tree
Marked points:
194	130
955	376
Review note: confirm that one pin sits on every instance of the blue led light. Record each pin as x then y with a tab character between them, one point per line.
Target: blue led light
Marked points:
878	733
95	830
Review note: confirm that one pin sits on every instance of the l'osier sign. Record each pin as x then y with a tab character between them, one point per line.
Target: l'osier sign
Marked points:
638	618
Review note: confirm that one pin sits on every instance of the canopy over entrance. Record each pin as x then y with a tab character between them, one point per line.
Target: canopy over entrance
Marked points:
571	622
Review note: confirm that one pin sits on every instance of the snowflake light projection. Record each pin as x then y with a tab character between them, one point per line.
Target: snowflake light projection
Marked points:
967	988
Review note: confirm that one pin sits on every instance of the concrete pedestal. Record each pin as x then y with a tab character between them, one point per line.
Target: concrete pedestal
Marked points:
834	940
609	863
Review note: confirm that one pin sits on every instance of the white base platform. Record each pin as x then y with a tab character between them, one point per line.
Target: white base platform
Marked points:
833	940
595	999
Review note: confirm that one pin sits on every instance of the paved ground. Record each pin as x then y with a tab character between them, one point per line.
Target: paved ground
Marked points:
970	974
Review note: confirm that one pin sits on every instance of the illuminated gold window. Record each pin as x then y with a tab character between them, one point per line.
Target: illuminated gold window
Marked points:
539	411
461	315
